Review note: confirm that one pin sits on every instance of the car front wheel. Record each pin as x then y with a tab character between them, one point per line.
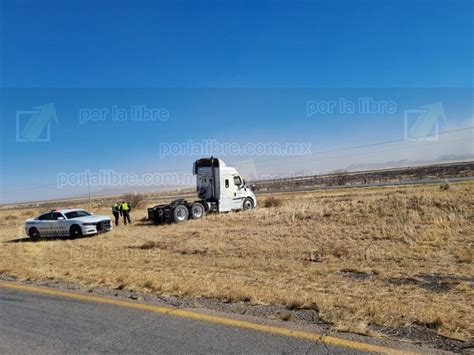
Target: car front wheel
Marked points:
75	232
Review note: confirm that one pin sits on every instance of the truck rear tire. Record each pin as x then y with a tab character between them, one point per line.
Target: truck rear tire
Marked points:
180	213
197	210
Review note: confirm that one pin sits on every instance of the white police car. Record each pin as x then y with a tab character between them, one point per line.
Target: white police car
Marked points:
67	223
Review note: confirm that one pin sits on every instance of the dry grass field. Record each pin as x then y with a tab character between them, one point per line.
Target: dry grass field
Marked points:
378	256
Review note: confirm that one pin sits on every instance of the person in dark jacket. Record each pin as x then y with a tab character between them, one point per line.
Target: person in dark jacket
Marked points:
116	213
125	212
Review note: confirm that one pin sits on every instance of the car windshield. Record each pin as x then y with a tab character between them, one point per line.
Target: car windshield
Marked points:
77	214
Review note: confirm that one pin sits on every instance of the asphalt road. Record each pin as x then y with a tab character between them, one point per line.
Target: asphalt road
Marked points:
37	323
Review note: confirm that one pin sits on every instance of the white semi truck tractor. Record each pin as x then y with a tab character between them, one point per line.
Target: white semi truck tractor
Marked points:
220	188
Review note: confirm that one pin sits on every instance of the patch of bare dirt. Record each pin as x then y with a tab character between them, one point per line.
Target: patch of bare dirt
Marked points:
432	282
423	334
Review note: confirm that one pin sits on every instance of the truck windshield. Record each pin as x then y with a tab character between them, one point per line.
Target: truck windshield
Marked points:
77	214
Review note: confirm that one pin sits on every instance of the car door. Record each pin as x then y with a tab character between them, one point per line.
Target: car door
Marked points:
43	224
58	224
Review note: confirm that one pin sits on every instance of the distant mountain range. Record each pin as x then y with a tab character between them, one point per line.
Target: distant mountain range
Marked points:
406	163
116	190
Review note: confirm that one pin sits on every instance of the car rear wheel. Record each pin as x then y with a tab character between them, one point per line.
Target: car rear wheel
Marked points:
75	232
34	233
180	213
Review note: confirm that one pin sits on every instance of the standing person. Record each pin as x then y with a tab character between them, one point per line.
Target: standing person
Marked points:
125	212
116	213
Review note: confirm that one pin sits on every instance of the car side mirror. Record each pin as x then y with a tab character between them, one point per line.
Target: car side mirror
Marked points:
60	218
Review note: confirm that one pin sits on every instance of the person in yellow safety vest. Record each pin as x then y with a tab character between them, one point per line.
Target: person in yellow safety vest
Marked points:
116	213
125	212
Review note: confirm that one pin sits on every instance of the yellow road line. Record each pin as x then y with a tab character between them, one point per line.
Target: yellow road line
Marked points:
207	318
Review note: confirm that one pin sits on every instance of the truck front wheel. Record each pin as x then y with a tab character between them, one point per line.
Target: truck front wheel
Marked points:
180	213
248	204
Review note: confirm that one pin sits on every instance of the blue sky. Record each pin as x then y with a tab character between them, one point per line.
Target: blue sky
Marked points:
232	71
